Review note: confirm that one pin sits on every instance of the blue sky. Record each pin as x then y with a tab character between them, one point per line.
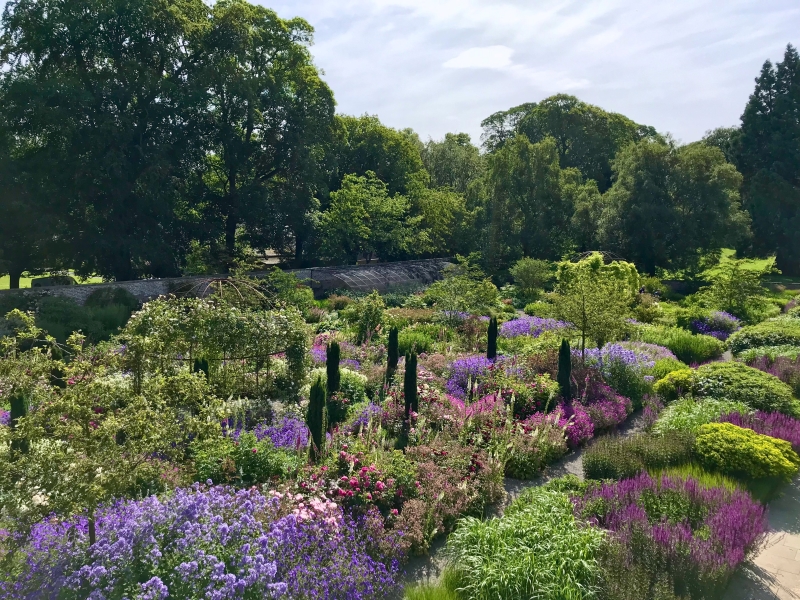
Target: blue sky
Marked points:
683	66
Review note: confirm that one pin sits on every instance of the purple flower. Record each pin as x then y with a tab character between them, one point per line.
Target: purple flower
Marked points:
5	417
289	434
372	413
775	425
533	326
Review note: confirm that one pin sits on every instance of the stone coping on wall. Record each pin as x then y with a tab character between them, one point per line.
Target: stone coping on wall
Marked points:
362	278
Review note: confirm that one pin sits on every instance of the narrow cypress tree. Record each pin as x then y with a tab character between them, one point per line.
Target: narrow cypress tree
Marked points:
200	365
491	346
410	385
316	419
564	370
332	357
19	410
392	354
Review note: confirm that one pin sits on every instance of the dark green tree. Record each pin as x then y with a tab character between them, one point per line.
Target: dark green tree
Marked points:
564	370
491	343
410	386
96	95
19	410
453	162
672	207
269	119
332	358
392	354
200	366
316	419
727	139
770	161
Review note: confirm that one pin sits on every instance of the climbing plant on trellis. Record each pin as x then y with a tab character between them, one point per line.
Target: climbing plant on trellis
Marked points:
250	353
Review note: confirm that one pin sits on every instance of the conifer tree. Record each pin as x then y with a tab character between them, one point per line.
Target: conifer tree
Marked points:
491	346
332	358
393	354
564	370
316	419
410	385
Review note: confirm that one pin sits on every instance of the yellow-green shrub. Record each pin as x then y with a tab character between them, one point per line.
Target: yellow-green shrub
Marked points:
729	449
675	384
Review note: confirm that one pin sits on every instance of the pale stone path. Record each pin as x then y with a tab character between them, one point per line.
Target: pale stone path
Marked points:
774	574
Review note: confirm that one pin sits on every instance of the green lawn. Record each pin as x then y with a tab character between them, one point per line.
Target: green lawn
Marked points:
25	282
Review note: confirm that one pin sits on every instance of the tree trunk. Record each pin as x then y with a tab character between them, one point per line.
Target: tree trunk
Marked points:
13	278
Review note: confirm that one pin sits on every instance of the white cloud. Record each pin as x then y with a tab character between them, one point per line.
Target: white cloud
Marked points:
487	57
444	65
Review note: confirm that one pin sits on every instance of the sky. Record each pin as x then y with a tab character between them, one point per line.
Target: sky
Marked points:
438	66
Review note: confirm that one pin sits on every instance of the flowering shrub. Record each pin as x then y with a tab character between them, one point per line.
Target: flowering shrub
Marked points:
535	443
672	528
785	368
466	371
774	425
243	460
205	543
290	434
624	369
718	324
533	326
733	450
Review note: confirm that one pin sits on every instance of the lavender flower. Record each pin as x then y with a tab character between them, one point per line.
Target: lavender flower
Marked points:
289	434
533	326
775	425
5	417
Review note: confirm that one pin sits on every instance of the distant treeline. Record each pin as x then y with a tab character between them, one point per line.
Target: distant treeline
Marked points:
160	137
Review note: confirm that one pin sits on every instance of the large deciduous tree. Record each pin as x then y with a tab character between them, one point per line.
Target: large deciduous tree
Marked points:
672	207
452	162
269	118
770	161
94	91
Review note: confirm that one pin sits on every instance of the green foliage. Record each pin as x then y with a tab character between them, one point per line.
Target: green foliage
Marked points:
242	461
781	331
771	352
565	371
316	419
367	315
675	384
740	383
531	450
464	288
108	296
688	414
737	289
596	297
620	458
545	310
707	479
672	206
413	340
491	343
665	366
538	550
726	448
19	404
531	276
688	347
286	290
452	162
61	317
769	161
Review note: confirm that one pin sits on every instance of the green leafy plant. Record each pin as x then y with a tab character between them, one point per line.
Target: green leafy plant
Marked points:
688	347
740	383
726	448
531	276
780	331
688	414
414	340
245	460
537	550
675	384
665	366
621	458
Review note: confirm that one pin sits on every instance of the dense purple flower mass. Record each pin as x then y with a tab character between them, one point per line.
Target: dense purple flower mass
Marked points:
203	542
629	355
703	533
719	324
533	326
289	434
465	371
775	425
372	413
5	417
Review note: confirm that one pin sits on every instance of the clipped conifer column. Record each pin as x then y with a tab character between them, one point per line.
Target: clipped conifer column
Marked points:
332	357
491	345
392	354
564	370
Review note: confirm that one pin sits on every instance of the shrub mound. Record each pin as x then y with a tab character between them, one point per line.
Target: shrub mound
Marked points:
688	414
740	383
619	458
733	450
688	347
781	331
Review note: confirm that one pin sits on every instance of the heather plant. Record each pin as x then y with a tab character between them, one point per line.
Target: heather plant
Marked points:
687	347
671	537
619	458
741	452
776	425
538	550
207	542
688	414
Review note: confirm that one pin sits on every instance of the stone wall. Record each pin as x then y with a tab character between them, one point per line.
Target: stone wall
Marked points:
363	278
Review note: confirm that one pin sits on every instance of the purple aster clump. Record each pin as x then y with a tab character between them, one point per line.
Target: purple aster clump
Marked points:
350	363
775	425
5	417
318	355
372	413
465	370
533	326
290	434
627	355
696	535
648	352
205	542
718	324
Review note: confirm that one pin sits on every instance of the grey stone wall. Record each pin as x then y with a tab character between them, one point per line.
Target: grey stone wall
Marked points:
364	278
